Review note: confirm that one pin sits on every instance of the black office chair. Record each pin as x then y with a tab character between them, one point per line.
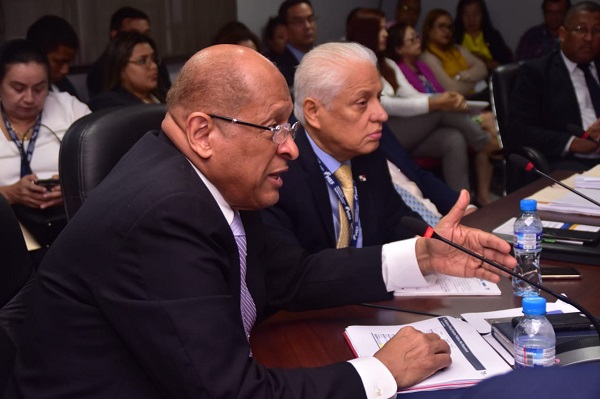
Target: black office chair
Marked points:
94	144
15	271
501	83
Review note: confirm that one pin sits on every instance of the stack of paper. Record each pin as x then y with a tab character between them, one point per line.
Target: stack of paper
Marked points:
572	203
589	179
472	358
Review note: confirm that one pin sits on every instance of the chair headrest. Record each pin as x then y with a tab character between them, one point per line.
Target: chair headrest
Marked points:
94	144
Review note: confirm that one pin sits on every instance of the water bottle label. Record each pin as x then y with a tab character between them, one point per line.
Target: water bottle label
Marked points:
527	241
534	357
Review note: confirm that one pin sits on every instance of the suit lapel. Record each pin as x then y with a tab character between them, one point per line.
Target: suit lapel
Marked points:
315	180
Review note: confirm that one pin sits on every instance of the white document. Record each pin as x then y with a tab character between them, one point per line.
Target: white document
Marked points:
589	179
482	321
473	359
441	284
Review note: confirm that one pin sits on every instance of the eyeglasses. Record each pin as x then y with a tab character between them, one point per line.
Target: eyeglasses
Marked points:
584	30
298	21
444	26
414	39
280	132
146	60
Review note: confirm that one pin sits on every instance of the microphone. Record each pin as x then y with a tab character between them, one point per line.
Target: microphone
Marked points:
528	166
582	134
421	228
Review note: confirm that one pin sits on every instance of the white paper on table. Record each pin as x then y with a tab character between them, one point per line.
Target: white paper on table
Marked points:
441	284
480	321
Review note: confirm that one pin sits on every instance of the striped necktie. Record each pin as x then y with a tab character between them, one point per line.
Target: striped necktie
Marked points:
247	306
344	176
416	205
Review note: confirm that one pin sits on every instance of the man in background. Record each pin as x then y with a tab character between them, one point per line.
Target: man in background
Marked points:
543	39
300	21
57	38
407	12
125	19
562	89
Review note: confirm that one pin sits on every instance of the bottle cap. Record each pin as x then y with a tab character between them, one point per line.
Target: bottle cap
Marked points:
528	205
534	305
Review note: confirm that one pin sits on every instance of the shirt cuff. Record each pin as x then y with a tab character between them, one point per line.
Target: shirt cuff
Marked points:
378	381
400	267
566	147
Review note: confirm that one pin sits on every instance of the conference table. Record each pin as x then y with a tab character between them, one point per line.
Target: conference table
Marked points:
315	338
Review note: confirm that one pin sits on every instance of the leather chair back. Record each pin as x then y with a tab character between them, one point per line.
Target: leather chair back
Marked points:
94	144
502	81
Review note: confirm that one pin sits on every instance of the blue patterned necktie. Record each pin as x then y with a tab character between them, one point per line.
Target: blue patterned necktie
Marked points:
247	306
593	86
416	205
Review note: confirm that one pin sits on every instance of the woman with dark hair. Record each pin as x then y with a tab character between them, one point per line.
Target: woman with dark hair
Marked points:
427	125
235	32
453	66
34	121
131	75
404	47
474	31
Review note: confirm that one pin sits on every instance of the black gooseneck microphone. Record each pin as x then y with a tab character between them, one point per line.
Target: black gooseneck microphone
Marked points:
528	166
422	229
582	134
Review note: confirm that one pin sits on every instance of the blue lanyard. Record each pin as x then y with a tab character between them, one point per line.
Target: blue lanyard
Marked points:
25	154
335	185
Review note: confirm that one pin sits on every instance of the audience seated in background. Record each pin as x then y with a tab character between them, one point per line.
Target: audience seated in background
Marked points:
543	39
407	12
125	19
57	38
553	92
433	126
301	28
473	29
34	122
453	66
404	47
131	76
235	32
275	36
146	293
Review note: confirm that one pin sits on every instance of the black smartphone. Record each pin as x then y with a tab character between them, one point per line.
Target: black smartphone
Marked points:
556	273
564	321
47	183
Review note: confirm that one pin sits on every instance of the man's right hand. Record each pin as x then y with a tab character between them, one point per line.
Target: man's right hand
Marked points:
411	356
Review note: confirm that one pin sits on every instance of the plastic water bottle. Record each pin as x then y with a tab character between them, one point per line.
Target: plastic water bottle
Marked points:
527	248
534	337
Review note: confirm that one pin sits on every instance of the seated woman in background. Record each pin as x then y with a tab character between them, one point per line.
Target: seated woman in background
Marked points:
474	31
131	76
33	124
453	66
236	32
404	47
431	126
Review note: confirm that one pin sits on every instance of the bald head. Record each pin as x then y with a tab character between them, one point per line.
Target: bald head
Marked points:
221	79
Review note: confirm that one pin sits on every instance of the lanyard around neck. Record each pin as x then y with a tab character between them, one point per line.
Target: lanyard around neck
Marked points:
25	154
335	185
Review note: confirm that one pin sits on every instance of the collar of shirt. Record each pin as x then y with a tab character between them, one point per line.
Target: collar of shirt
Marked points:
297	53
329	161
223	205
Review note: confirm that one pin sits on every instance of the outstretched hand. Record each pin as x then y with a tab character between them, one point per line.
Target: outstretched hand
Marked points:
439	257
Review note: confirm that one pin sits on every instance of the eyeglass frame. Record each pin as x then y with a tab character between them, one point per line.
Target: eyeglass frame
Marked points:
285	128
412	40
584	30
146	60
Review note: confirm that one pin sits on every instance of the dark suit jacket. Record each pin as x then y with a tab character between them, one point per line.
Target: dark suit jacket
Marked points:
286	62
65	85
436	190
543	102
304	207
118	97
139	296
